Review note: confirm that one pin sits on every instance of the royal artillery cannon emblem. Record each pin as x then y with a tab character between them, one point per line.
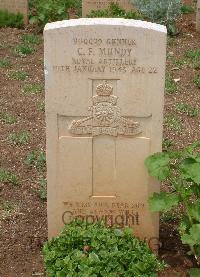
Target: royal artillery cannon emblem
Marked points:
105	117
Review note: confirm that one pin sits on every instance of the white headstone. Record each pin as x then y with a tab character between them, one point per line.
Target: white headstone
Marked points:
104	112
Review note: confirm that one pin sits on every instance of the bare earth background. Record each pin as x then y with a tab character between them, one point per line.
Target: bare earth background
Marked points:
23	224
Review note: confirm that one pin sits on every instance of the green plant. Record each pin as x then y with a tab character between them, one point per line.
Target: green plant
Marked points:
8	19
37	159
84	249
31	39
42	191
170	85
194	272
7	209
168	216
114	10
18	75
7	205
7	176
41	106
22	50
20	138
197	81
187	109
194	58
4	45
193	54
185	9
161	11
171	41
179	63
32	88
181	169
42	11
173	123
5	63
7	118
167	143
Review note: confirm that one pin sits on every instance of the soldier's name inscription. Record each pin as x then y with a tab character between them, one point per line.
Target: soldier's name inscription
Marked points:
112	55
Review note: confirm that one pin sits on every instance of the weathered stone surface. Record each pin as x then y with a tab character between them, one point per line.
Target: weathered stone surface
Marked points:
104	112
16	6
89	5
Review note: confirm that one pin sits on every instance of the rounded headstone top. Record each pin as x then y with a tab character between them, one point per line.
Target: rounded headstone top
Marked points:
107	22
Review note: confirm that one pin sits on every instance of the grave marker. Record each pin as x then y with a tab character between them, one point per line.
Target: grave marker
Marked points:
89	5
16	6
198	16
104	112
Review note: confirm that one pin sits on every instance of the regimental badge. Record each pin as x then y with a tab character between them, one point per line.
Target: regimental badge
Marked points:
105	117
